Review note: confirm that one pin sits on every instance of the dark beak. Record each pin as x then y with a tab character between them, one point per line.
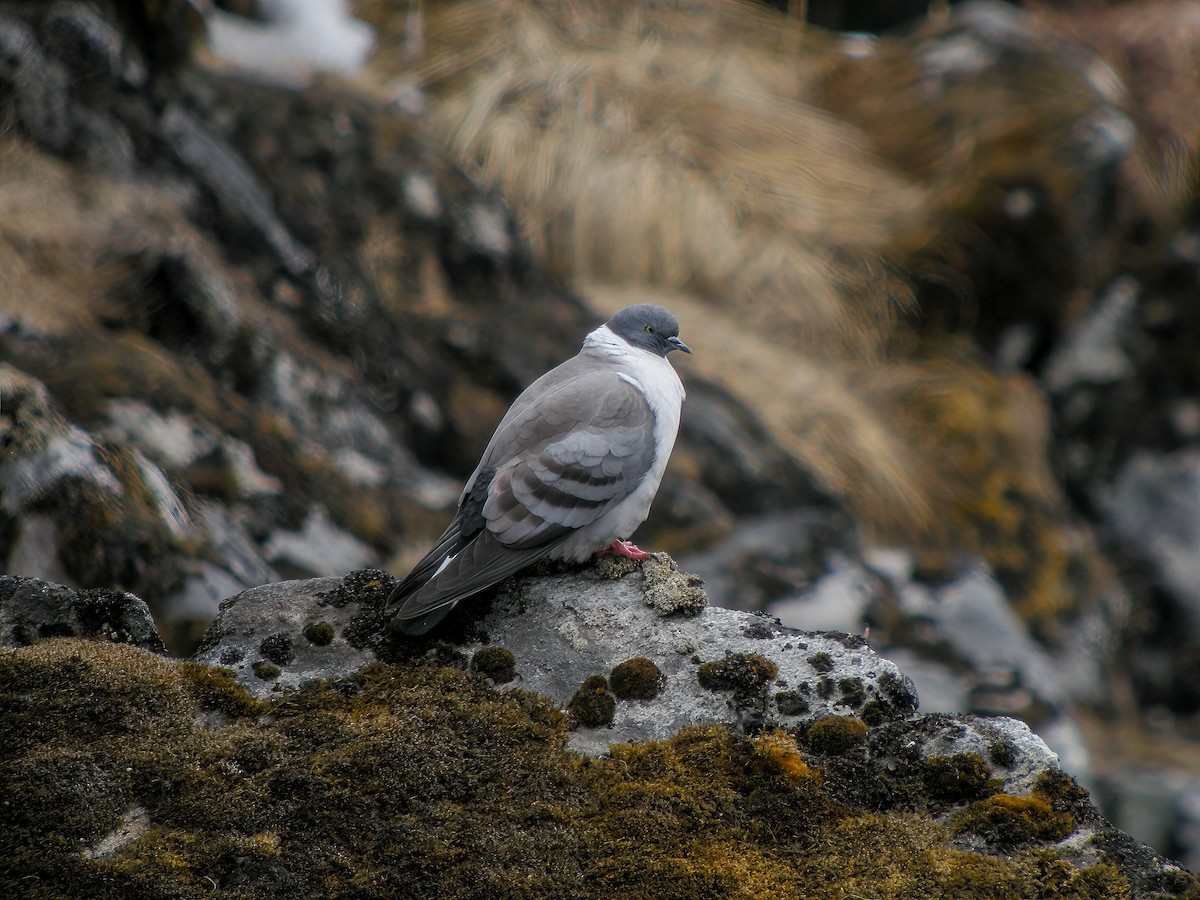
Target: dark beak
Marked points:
677	344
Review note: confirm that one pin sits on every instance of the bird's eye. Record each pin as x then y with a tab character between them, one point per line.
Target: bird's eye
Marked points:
650	328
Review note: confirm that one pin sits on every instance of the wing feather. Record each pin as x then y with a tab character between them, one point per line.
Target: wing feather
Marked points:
483	563
555	479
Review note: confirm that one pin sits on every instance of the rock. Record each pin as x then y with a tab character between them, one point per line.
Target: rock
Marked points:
32	610
286	635
571	632
243	322
959	639
116	760
718	666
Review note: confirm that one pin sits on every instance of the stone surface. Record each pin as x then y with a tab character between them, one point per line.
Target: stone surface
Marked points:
274	625
348	730
562	629
32	610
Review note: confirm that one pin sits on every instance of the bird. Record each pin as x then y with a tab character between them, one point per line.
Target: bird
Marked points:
570	472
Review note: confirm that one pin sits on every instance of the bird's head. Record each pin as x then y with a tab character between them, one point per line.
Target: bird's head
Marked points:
650	327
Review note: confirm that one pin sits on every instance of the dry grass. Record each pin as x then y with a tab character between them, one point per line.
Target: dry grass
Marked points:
683	151
666	147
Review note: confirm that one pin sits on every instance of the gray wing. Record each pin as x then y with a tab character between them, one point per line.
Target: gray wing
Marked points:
572	447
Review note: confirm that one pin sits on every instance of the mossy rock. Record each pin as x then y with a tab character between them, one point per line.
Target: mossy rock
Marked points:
130	775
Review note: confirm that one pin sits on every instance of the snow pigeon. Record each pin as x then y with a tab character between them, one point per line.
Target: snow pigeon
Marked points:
570	471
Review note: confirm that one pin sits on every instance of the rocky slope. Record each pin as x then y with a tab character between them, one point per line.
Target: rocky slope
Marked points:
944	392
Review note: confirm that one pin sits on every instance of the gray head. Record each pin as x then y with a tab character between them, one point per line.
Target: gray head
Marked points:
650	327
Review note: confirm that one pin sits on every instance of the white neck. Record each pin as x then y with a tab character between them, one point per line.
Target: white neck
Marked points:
606	340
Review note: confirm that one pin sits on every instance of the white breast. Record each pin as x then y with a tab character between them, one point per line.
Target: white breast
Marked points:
659	383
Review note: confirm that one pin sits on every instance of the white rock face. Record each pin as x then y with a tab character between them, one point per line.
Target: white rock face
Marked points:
562	629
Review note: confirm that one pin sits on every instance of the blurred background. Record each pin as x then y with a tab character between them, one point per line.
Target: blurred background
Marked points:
271	272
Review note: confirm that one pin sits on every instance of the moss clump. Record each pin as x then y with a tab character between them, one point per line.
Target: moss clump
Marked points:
747	675
853	692
736	670
278	649
319	634
822	663
1007	820
778	755
953	779
835	734
265	670
793	703
495	663
874	712
218	689
637	679
593	705
1002	754
1059	790
1062	879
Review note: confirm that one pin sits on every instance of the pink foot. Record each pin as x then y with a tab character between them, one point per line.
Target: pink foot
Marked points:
624	548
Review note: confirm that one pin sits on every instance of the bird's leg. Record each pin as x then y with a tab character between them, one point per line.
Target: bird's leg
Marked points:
628	549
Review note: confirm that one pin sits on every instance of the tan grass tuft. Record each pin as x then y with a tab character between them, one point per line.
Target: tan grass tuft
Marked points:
641	147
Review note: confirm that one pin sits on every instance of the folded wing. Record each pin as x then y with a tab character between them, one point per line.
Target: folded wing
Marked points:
571	448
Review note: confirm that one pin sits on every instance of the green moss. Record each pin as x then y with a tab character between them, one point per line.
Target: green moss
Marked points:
319	634
953	779
1059	790
874	712
637	679
1002	754
265	670
495	663
214	688
1006	820
822	663
835	734
747	675
593	706
792	703
852	691
420	781
1099	882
